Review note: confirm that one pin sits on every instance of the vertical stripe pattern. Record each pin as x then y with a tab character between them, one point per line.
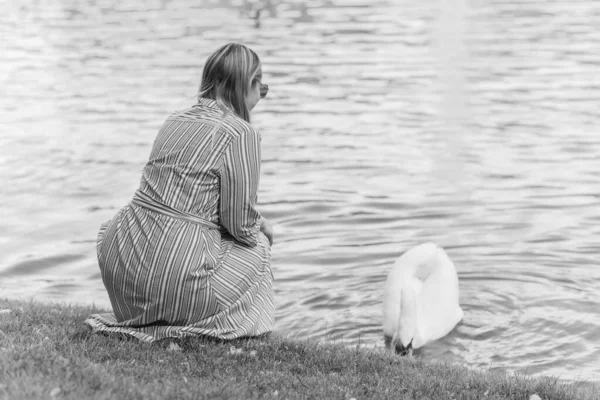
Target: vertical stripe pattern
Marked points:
169	276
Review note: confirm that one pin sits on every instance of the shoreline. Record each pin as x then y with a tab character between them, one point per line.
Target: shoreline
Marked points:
47	351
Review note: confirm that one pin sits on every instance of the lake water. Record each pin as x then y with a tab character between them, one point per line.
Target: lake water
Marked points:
388	123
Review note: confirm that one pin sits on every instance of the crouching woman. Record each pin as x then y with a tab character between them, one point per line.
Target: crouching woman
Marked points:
190	254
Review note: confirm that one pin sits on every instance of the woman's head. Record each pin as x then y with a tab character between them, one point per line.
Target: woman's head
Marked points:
232	77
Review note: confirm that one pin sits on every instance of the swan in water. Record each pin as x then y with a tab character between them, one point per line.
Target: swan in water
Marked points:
420	301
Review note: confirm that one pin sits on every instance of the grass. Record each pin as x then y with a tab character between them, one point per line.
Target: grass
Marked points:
47	352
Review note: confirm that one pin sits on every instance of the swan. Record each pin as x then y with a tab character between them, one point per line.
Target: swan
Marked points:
420	302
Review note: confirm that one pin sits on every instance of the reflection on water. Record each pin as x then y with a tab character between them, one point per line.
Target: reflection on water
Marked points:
388	123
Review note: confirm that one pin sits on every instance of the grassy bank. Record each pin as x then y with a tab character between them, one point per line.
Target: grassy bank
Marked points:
47	352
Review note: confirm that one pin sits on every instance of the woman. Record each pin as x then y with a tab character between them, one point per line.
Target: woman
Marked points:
190	255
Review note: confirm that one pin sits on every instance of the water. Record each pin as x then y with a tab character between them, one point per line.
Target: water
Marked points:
388	123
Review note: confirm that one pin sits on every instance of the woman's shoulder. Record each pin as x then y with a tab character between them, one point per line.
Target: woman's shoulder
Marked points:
196	114
208	112
236	126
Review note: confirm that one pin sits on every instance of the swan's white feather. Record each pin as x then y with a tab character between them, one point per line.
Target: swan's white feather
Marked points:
427	274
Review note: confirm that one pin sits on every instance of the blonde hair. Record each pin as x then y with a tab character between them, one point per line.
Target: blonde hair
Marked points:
227	76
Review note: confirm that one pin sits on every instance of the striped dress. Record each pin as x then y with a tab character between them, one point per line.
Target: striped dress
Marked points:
186	256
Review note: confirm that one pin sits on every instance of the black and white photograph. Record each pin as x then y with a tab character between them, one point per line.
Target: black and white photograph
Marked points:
300	199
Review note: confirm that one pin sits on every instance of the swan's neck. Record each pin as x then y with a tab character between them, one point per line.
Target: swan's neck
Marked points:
407	323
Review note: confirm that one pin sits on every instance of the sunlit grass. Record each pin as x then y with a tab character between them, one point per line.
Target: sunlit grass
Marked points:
46	351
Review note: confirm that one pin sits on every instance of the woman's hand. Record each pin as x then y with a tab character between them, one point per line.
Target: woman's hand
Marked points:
267	229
